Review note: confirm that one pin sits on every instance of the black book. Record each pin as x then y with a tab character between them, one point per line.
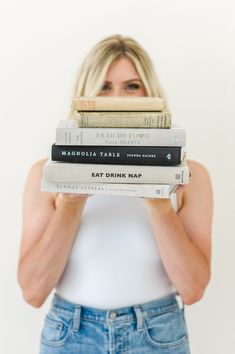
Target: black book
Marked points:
120	155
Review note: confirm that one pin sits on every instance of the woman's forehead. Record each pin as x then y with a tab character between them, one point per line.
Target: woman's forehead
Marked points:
122	69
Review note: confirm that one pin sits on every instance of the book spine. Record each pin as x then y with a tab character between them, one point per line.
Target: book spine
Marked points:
132	190
122	155
123	120
70	172
120	136
117	104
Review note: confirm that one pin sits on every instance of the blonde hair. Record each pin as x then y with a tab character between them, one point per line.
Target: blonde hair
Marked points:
95	66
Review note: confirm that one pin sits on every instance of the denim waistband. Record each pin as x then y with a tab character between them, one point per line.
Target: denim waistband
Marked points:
137	312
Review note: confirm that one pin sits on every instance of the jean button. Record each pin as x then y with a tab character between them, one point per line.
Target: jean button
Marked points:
112	315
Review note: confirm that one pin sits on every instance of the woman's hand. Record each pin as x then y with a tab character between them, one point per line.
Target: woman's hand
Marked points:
160	205
163	204
70	199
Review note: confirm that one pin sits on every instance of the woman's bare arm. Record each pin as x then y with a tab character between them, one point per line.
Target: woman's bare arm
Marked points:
49	228
184	239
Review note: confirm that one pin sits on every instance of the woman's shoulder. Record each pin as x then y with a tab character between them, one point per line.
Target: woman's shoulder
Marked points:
199	177
38	165
36	170
197	168
35	175
199	182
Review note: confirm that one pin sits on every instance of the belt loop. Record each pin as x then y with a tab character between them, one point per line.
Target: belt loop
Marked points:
77	318
139	317
179	301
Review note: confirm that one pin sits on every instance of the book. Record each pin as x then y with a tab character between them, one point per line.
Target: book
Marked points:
132	190
117	103
67	133
106	173
123	119
122	155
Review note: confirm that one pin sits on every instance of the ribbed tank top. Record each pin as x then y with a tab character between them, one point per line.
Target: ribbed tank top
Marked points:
114	261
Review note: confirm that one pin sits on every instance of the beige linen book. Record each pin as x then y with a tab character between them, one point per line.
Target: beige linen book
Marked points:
118	104
123	119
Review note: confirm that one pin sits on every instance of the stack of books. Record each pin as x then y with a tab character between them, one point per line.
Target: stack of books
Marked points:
118	146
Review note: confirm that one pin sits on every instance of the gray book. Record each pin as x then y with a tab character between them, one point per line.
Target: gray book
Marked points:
106	173
131	190
67	133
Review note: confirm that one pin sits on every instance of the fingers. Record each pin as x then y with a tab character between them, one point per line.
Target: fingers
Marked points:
76	195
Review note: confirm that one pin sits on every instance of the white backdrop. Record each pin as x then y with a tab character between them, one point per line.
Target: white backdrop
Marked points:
192	46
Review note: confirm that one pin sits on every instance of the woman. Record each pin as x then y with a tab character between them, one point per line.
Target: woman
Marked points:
119	265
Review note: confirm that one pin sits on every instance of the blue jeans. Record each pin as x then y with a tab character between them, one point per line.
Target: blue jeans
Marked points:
153	327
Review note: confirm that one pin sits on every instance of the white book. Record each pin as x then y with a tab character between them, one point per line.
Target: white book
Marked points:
67	133
106	173
132	190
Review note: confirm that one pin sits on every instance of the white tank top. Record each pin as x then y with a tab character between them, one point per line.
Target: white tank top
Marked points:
114	261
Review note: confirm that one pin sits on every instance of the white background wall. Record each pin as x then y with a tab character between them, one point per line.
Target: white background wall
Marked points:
192	46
